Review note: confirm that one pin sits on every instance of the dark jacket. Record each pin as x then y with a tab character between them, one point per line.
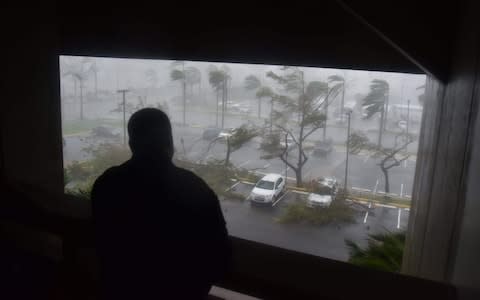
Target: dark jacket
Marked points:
160	232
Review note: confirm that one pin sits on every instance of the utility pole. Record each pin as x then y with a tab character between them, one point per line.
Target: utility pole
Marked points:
123	92
408	115
184	87
349	113
286	158
326	116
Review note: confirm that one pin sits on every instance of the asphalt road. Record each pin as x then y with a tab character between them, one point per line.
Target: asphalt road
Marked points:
258	223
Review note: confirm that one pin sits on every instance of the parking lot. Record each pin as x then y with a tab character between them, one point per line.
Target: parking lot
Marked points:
258	223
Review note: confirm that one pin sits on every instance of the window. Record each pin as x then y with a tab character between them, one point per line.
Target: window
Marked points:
288	122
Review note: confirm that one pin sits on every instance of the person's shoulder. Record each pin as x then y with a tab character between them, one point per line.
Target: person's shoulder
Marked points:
193	181
111	175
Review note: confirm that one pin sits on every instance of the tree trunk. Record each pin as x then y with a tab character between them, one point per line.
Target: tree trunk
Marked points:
96	85
224	95
216	104
380	129
81	101
74	89
259	107
184	89
387	180
271	116
342	103
326	118
227	158
298	175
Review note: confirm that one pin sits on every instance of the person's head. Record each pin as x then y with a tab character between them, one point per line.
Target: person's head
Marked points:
150	134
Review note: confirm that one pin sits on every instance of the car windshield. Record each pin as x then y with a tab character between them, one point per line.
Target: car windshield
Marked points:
324	190
263	184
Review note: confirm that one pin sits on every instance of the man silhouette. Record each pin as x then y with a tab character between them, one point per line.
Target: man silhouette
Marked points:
160	230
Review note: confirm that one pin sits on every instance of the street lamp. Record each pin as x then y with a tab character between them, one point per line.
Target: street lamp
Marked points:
286	157
348	113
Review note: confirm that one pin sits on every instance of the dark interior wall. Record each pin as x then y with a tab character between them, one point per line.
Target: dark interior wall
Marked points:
31	140
323	35
316	34
421	30
465	267
444	162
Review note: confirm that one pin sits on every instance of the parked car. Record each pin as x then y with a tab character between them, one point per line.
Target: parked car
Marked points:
289	143
324	192
402	124
225	133
268	189
211	133
323	148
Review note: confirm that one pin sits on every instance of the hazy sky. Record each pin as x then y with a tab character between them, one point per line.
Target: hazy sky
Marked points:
114	73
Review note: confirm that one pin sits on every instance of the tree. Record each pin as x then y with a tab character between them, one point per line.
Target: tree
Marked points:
421	97
390	157
300	98
338	85
384	252
377	102
94	70
218	79
193	76
78	71
266	92
240	136
179	75
252	83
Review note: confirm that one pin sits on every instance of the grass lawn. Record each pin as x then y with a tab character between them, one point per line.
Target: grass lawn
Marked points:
78	126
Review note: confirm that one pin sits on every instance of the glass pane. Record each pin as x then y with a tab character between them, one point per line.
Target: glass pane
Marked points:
287	122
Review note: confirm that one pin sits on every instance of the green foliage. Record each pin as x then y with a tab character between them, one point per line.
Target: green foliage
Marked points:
241	136
176	75
252	82
78	171
316	88
374	102
107	155
217	78
384	252
66	178
82	191
299	212
270	145
193	75
264	91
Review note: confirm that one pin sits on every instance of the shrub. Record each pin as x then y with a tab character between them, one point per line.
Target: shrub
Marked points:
107	155
77	171
384	252
299	212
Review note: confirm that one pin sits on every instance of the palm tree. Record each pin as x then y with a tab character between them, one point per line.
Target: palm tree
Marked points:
377	102
384	252
80	75
218	79
252	83
179	75
193	76
262	92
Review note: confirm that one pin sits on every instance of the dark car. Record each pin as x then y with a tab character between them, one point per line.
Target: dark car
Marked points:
323	148
211	133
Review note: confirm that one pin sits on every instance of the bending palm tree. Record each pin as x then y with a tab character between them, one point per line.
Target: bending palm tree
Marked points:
179	75
253	83
218	79
377	102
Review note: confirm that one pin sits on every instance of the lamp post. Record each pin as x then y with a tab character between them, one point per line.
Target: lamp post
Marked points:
286	158
348	113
